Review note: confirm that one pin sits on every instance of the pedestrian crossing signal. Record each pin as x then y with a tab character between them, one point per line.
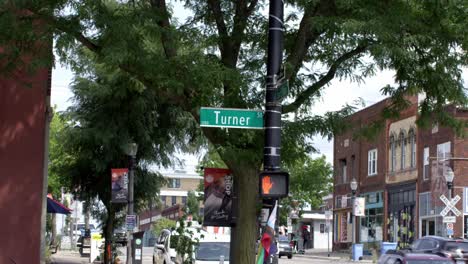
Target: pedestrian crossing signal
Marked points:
274	184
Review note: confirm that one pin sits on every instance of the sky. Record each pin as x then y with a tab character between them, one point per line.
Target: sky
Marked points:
337	94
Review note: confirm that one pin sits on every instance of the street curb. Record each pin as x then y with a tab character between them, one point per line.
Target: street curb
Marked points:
316	257
330	258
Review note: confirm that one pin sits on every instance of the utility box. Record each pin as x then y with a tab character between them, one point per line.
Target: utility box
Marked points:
357	251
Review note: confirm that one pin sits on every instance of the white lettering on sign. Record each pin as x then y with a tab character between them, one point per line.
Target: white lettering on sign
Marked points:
449	219
228	184
230	120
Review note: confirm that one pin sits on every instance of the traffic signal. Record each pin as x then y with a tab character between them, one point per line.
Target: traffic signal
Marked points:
274	184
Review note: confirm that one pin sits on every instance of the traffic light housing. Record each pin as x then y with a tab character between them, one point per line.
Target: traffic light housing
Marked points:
274	184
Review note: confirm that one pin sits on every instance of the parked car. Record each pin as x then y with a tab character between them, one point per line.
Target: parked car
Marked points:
163	253
79	229
120	236
456	249
408	257
213	249
284	248
164	250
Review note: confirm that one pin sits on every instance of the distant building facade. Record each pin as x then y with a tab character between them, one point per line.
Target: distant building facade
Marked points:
398	175
173	198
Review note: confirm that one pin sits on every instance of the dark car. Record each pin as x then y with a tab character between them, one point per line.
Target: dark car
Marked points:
284	248
408	257
456	249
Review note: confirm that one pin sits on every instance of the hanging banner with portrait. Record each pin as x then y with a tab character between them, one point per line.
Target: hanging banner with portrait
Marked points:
218	189
119	185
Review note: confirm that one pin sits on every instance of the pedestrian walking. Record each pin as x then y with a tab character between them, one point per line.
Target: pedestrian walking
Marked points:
305	237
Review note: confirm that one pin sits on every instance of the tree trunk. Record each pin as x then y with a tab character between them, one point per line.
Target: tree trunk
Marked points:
54	229
246	229
86	208
108	234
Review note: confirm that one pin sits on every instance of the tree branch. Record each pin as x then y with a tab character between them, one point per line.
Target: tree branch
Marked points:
242	14
215	7
306	36
306	94
63	26
167	40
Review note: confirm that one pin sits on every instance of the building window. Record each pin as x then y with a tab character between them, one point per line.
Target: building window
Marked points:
371	229
184	199
392	153
174	200
322	228
343	171
174	183
425	204
426	164
372	162
412	138
403	150
443	151
163	201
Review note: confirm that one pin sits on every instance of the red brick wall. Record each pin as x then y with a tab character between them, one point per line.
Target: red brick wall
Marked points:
22	128
460	169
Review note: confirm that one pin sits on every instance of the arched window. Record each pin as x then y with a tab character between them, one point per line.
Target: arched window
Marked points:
392	153
412	139
403	150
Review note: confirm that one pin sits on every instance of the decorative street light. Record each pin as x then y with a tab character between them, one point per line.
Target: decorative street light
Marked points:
353	184
449	179
131	150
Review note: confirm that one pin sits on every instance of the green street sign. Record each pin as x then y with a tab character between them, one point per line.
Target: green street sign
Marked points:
232	118
282	91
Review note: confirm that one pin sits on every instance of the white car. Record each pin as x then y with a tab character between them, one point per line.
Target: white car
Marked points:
213	249
163	253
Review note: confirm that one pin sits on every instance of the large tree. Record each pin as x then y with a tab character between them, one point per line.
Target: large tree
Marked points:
217	58
109	111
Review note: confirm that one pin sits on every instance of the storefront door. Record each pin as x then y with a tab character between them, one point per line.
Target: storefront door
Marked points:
428	227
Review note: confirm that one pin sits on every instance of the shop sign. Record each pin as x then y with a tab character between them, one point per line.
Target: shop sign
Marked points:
359	206
465	200
449	219
344	201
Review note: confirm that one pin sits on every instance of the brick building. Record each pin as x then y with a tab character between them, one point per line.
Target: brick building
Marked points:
441	149
24	125
365	161
394	173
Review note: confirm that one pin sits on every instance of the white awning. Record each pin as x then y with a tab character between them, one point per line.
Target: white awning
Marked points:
313	216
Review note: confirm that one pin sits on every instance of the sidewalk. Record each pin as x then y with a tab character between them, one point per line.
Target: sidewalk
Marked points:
68	257
335	256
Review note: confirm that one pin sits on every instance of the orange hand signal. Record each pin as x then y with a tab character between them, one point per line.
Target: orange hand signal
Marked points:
266	184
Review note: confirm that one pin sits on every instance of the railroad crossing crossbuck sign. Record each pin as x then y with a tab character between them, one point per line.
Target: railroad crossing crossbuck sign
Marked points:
450	205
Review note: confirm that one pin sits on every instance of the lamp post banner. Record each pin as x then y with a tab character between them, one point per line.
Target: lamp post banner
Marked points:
219	187
119	185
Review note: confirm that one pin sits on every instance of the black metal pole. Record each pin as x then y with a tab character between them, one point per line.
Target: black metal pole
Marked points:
272	147
449	186
131	173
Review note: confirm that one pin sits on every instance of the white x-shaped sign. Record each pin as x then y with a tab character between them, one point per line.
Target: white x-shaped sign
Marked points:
450	205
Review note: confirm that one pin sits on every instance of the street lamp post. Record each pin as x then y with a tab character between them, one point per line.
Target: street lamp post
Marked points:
353	184
131	150
449	179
